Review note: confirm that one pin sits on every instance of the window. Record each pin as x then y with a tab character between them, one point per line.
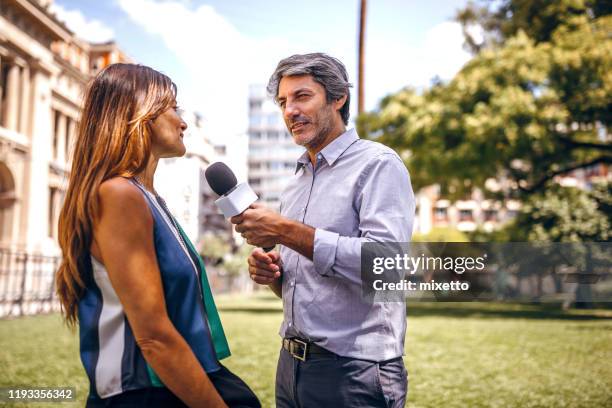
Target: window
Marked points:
51	213
440	213
67	146
3	81
56	131
490	215
256	120
275	165
274	119
466	215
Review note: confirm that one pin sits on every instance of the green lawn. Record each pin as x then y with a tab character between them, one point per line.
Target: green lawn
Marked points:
458	355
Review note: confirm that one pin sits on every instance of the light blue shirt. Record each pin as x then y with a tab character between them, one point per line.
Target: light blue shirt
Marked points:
359	191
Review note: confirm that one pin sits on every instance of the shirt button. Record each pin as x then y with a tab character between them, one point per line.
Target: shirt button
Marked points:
292	283
289	324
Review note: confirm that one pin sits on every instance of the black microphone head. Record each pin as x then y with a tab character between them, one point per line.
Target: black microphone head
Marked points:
220	178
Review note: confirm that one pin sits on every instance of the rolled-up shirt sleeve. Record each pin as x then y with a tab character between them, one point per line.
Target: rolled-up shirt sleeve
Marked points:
386	214
325	247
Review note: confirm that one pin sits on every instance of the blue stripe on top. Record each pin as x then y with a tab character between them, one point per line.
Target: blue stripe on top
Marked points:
111	357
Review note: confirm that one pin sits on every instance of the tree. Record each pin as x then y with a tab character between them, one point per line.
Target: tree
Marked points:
236	262
565	214
230	262
214	248
536	18
441	234
524	109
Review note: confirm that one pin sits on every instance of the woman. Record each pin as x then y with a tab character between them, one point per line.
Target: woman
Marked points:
150	334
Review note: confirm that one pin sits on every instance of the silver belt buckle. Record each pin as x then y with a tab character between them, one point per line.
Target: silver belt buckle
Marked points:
302	345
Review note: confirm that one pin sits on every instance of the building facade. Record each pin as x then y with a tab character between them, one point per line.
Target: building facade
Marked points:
43	70
272	153
181	182
473	212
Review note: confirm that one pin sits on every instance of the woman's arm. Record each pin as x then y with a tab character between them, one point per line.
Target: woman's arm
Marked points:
123	241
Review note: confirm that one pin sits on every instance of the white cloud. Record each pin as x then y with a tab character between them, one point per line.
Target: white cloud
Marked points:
477	33
443	52
393	65
220	61
89	30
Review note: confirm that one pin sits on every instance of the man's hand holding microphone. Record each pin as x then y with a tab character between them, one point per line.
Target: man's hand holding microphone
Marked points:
257	224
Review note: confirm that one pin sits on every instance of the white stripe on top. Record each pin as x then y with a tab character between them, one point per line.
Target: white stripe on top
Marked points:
111	335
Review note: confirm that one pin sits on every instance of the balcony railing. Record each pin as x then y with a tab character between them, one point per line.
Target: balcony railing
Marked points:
27	283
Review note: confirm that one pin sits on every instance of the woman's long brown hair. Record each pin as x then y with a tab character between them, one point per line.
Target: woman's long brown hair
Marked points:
113	139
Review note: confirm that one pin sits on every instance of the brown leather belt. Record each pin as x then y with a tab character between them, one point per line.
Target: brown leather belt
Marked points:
300	349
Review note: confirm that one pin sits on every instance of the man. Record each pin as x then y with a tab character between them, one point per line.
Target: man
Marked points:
338	349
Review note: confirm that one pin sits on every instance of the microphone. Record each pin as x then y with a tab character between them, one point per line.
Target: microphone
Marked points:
233	198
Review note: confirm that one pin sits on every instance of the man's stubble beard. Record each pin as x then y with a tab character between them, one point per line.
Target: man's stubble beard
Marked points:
325	119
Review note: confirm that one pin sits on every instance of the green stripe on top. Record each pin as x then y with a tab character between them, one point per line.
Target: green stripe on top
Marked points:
214	321
154	378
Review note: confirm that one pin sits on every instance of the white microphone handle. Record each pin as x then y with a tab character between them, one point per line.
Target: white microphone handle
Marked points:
238	200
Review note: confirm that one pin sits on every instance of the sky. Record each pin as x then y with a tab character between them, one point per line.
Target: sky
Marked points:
214	49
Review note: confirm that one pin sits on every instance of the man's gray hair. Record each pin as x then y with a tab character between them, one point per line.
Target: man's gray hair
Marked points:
326	70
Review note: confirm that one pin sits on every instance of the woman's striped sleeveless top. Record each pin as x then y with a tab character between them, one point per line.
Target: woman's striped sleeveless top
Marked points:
110	355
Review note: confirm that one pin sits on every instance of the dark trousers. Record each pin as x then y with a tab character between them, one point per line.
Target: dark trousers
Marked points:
232	389
332	381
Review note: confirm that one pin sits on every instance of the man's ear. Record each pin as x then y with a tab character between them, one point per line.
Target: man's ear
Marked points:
339	103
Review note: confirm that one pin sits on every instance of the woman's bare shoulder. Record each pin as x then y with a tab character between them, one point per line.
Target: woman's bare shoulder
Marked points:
118	186
118	193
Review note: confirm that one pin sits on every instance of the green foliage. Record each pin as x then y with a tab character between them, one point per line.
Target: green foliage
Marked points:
559	214
532	104
537	18
214	248
565	214
441	234
498	235
219	252
236	262
523	109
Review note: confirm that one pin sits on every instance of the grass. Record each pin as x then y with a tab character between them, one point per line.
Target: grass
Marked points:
458	355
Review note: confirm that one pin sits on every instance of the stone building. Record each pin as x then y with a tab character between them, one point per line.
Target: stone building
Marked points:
44	68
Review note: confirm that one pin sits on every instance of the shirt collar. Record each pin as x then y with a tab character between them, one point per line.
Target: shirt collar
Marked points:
332	151
302	161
